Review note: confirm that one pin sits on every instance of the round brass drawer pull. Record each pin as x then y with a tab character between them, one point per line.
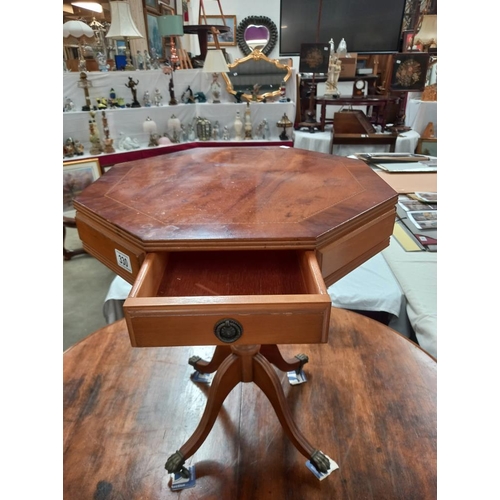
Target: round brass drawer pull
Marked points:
228	330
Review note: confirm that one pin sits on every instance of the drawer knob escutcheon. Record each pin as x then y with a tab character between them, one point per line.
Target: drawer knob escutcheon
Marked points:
228	330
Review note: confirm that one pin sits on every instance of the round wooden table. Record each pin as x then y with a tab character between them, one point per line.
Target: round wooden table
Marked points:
369	401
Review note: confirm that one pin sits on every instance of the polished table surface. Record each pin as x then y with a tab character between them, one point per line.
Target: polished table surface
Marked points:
234	247
369	399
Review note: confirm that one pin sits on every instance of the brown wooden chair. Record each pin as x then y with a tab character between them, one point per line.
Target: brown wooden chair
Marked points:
70	222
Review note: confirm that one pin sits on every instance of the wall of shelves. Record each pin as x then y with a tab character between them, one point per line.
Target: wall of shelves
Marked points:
128	122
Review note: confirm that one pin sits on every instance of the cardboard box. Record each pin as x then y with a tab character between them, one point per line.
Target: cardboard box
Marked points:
348	69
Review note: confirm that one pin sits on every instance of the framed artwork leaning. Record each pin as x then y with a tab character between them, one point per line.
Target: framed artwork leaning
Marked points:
226	39
427	147
409	71
77	175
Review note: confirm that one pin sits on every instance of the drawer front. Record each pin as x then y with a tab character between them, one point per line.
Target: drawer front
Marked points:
112	250
350	251
230	319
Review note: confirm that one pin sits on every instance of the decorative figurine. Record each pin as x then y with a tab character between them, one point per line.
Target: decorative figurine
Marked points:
108	142
200	97
203	129
215	88
102	103
95	141
69	105
225	134
68	148
157	97
187	96
238	126
184	134
127	143
155	61
112	102
174	129
255	92
79	149
140	60
215	131
132	86
263	131
173	100
283	92
248	123
102	62
238	95
191	135
334	67
147	60
146	99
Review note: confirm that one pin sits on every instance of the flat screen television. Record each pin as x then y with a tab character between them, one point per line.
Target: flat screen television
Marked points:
368	26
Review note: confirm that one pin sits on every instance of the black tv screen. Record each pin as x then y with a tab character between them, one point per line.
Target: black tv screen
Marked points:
368	26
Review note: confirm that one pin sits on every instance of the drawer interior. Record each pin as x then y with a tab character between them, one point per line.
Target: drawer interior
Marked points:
224	273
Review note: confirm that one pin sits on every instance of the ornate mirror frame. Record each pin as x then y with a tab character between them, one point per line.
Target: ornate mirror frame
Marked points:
256	55
258	21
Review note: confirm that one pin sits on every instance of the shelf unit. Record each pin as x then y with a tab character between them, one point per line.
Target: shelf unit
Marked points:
128	121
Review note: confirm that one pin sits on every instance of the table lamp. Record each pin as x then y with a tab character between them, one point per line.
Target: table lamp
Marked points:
149	126
427	34
171	26
123	28
284	123
80	33
215	63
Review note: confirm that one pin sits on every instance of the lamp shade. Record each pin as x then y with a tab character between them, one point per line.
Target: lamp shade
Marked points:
93	6
428	30
215	62
77	32
171	25
122	24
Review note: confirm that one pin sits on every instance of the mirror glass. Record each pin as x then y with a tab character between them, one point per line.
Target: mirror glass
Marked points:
256	32
256	71
256	36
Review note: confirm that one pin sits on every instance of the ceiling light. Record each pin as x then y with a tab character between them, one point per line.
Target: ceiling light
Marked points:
93	6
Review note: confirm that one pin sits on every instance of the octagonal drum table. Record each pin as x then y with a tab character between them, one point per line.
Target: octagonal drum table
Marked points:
235	247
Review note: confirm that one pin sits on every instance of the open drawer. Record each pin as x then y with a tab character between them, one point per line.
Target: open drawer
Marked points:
217	298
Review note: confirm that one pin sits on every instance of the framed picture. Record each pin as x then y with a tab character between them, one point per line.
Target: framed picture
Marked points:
166	10
427	147
77	175
151	6
155	41
314	57
409	71
225	39
407	45
167	7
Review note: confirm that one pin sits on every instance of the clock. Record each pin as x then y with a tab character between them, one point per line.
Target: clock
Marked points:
358	89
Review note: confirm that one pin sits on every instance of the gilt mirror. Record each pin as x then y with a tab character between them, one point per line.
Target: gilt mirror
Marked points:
256	70
256	32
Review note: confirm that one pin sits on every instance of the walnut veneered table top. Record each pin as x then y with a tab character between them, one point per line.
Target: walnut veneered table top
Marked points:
229	197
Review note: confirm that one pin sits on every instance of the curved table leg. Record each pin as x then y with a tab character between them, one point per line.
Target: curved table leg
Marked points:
226	378
265	377
245	364
220	354
272	353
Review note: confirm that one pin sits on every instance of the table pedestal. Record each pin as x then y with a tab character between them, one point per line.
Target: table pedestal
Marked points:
246	363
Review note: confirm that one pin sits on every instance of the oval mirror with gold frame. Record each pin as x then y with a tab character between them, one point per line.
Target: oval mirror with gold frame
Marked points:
256	32
256	70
